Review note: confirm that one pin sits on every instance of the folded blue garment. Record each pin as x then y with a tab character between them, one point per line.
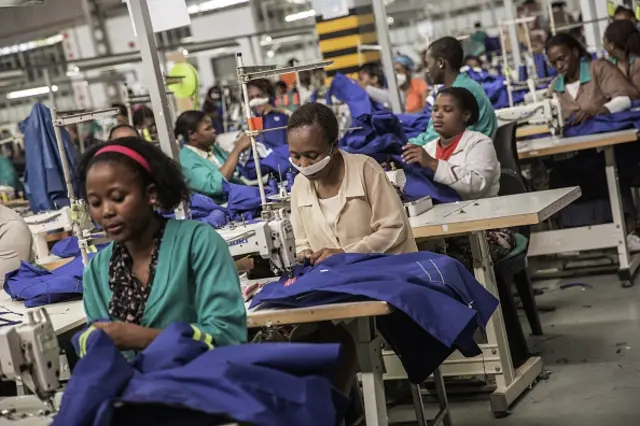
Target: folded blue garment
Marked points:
606	123
267	384
68	247
382	137
37	286
439	304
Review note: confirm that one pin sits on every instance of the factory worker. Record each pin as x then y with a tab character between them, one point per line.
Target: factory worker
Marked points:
586	87
123	131
340	202
204	164
262	97
371	79
15	241
414	90
122	117
622	42
155	271
624	14
145	122
444	60
466	161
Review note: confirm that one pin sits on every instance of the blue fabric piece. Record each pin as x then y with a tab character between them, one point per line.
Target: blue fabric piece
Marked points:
68	247
349	92
496	89
243	201
414	124
275	138
44	180
439	304
267	384
37	286
204	209
606	123
382	137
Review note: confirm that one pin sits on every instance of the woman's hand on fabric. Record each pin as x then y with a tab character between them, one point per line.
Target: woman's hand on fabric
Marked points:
126	335
303	256
415	154
580	117
323	254
243	143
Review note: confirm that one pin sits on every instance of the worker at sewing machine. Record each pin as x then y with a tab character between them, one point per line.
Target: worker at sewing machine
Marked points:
15	241
622	42
156	271
414	90
465	160
444	60
205	165
262	97
123	131
145	122
587	88
340	202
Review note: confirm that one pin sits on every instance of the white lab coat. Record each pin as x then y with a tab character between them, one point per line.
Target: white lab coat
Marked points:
473	170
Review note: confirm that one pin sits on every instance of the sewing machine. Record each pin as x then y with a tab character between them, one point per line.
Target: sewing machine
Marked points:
544	116
29	352
43	223
270	237
415	207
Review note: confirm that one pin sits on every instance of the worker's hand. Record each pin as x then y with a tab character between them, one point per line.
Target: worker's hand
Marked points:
243	143
127	336
580	117
415	154
323	254
303	256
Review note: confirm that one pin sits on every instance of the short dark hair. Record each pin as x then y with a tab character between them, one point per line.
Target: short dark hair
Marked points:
621	10
264	86
122	126
465	100
122	110
188	122
449	49
624	35
566	39
374	70
165	173
140	114
471	58
316	114
281	84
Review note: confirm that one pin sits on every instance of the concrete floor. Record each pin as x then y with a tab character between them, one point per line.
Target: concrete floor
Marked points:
591	347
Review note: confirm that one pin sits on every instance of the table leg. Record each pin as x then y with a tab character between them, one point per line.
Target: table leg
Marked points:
625	272
372	370
510	383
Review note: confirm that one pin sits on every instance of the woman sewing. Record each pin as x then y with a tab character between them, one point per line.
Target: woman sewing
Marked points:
587	88
414	90
340	202
156	271
262	97
465	160
204	164
622	42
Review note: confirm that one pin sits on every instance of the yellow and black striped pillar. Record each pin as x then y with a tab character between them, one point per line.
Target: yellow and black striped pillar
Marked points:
340	39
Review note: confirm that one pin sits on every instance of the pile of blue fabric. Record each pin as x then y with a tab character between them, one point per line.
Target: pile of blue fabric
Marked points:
348	91
495	88
438	303
179	380
382	137
607	123
37	286
44	181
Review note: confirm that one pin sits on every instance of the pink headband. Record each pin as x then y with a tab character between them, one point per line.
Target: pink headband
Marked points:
127	152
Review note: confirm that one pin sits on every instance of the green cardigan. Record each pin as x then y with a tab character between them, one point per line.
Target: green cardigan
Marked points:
195	282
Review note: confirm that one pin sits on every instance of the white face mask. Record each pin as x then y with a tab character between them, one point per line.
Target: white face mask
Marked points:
315	167
401	78
256	102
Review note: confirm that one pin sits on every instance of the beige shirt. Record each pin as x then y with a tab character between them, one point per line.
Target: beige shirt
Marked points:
600	82
15	241
371	218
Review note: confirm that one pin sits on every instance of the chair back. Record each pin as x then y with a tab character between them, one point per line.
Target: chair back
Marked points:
506	147
511	183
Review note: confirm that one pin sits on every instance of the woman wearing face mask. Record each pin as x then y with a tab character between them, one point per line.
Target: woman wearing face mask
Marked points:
340	202
414	90
204	164
262	96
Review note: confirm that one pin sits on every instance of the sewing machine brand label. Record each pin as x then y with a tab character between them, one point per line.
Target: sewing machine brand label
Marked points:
238	242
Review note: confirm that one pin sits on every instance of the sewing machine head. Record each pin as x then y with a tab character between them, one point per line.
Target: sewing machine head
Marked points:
545	116
30	352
